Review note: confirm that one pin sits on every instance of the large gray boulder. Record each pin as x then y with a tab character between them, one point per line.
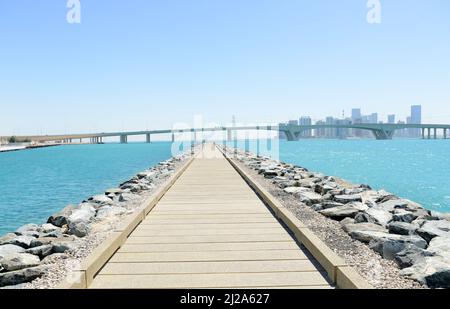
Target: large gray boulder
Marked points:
63	246
10	249
6	239
402	228
379	215
440	246
431	229
352	227
41	251
16	261
390	245
340	212
21	276
309	198
101	199
293	190
371	236
344	199
432	271
22	241
79	229
410	256
84	214
60	218
27	228
402	215
109	211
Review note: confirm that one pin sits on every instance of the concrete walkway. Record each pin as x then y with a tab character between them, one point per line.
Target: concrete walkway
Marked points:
210	230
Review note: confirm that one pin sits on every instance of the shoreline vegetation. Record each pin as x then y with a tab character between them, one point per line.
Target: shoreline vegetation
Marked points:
392	242
41	256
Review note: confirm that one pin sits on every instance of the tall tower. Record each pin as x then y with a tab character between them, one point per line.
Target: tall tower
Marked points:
416	118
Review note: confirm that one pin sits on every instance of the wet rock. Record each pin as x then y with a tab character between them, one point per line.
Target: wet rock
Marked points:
344	199
21	276
60	218
402	228
349	228
379	216
41	251
16	261
431	229
410	256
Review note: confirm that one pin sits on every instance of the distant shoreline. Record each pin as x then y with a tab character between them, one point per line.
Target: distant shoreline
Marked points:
18	148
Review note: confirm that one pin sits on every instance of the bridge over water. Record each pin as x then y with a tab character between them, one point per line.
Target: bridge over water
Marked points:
292	132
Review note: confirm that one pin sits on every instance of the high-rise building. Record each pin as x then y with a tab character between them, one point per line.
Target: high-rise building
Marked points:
306	121
356	114
320	132
281	135
330	132
391	119
293	122
416	118
373	118
356	118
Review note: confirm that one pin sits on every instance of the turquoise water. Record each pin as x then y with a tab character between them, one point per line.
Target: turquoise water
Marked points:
36	183
415	169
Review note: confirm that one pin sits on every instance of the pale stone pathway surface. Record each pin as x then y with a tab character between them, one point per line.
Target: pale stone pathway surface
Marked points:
210	230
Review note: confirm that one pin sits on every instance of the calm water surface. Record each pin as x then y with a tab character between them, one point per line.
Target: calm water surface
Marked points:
36	183
414	169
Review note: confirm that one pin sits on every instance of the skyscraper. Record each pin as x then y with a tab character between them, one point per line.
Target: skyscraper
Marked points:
416	118
356	114
391	119
306	121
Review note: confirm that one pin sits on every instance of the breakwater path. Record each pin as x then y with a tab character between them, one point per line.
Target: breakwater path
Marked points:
211	230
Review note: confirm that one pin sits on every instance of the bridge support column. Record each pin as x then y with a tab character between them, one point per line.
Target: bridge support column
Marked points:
445	133
429	133
423	133
123	139
435	133
257	142
148	138
383	134
173	137
229	138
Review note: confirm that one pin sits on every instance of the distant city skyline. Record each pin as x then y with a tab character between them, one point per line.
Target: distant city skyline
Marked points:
358	117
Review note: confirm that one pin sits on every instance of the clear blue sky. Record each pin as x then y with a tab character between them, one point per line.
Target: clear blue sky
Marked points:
149	63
